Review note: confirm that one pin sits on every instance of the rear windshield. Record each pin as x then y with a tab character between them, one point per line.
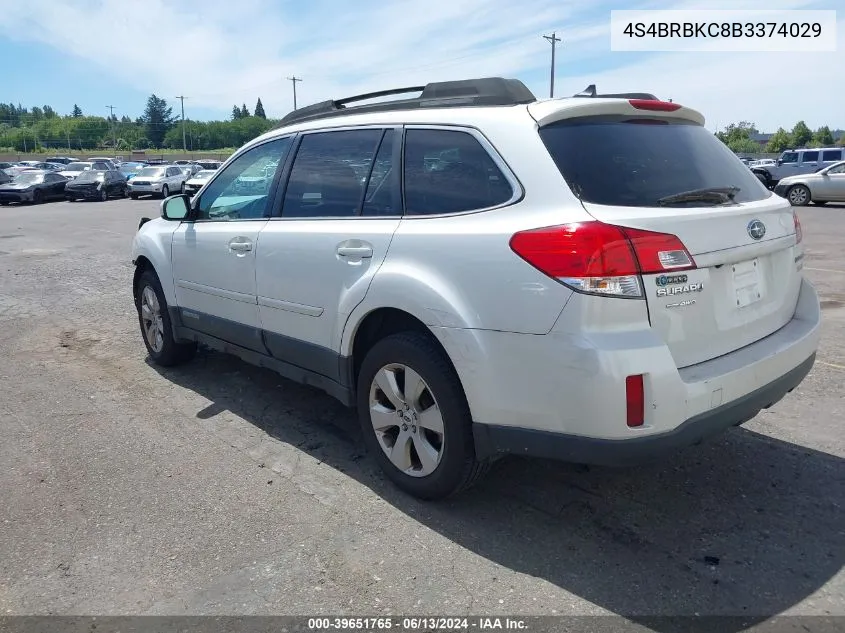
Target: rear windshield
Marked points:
636	162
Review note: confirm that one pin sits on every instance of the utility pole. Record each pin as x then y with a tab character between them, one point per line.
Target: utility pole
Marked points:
553	39
111	125
184	144
293	80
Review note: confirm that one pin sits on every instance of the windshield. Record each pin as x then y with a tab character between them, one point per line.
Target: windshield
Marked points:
205	174
151	172
639	162
77	167
29	178
128	168
91	176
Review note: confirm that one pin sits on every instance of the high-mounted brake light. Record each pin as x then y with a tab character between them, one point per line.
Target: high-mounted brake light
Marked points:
600	258
652	104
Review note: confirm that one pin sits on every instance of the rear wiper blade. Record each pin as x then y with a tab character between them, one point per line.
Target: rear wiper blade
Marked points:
716	195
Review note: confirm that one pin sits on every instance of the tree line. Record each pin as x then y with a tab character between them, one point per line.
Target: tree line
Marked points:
40	128
737	136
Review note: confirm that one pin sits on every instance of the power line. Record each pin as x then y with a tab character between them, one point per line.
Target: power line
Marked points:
184	144
553	39
293	80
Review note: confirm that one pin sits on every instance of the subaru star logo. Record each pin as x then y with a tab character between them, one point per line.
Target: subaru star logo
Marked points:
756	229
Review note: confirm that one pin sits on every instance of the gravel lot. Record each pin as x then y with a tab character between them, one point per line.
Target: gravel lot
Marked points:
218	488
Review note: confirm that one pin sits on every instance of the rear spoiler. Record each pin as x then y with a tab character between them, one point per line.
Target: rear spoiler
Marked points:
634	105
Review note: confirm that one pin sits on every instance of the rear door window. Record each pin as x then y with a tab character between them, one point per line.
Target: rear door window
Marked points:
628	162
810	157
448	171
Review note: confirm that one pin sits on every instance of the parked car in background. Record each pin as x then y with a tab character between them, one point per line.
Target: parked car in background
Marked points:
131	169
64	160
4	177
161	180
190	169
821	187
196	181
4	166
46	166
72	170
794	162
97	185
181	162
209	164
33	186
102	159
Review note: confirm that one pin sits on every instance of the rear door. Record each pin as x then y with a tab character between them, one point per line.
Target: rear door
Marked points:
628	167
316	261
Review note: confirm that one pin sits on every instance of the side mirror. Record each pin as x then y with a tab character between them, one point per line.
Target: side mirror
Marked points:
175	207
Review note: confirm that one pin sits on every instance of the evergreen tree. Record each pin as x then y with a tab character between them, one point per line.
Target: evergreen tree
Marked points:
259	109
157	119
236	113
77	111
244	112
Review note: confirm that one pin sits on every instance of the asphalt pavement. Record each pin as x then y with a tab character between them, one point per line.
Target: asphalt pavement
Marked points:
219	488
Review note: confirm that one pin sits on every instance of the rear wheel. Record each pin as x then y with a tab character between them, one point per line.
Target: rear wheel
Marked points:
415	417
798	195
156	327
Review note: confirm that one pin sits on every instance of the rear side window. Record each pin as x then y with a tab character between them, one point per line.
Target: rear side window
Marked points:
448	171
810	157
329	174
637	162
832	155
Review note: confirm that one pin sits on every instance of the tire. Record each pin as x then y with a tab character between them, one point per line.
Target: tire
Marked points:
125	192
798	196
451	466
104	195
165	191
37	196
71	199
134	196
4	203
154	320
182	188
762	178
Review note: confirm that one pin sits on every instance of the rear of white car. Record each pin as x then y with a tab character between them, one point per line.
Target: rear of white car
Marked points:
689	312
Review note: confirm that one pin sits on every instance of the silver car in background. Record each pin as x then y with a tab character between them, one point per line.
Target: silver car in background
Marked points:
826	185
157	180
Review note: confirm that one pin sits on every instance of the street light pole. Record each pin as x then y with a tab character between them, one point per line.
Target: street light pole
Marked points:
293	80
184	144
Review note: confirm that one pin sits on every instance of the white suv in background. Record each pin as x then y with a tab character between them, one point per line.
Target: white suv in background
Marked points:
157	180
478	272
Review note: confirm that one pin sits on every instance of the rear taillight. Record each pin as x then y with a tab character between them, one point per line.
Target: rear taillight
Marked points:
653	104
635	400
799	235
601	258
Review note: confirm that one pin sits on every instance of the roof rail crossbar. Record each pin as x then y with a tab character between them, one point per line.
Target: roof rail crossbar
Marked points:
590	92
486	91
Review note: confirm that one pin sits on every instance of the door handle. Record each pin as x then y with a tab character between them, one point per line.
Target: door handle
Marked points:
355	251
240	245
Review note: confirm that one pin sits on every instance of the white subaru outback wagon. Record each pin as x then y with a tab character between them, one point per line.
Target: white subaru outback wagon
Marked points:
594	278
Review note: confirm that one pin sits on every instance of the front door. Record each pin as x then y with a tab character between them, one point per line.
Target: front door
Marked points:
214	254
315	262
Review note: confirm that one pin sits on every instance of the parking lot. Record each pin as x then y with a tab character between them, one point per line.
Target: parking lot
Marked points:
219	488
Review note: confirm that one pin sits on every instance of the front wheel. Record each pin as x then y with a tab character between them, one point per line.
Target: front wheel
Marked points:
156	327
37	197
415	417
798	196
165	191
134	196
104	195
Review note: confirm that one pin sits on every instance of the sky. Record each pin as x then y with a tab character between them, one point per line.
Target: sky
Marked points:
218	53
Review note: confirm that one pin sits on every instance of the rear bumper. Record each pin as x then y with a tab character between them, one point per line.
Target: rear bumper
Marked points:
497	440
562	395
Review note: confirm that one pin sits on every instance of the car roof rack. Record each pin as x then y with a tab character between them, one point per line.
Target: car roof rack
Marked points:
590	92
486	91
